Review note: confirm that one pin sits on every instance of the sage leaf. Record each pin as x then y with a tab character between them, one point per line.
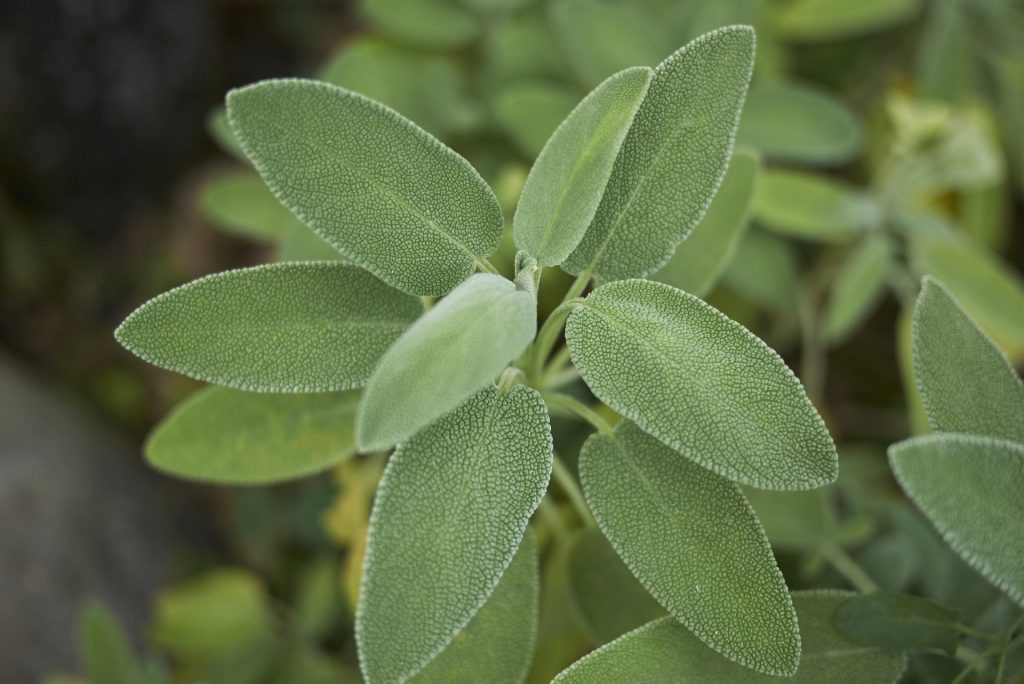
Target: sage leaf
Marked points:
610	600
826	20
239	202
969	487
449	514
987	288
664	651
568	179
456	349
673	159
497	644
811	207
523	46
291	327
227	436
801	521
530	111
764	270
388	195
857	288
898	622
600	37
701	258
798	123
693	541
966	383
701	383
302	244
107	654
422	23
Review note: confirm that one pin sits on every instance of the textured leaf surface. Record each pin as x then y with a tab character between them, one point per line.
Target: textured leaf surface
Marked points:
497	644
293	327
701	383
965	381
970	488
702	256
453	351
224	435
898	622
663	651
422	23
239	202
793	122
530	111
448	517
673	159
610	600
812	207
568	179
601	37
858	286
387	194
988	289
823	20
693	541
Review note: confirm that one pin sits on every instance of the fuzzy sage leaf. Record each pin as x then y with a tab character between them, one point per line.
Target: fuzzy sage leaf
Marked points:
227	436
568	179
457	348
692	539
898	622
673	159
701	383
388	195
969	487
291	327
664	651
966	383
448	517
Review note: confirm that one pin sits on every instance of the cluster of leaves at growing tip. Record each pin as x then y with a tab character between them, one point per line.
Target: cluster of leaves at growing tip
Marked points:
464	387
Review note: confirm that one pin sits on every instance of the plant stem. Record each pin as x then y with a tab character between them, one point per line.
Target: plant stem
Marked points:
557	400
547	336
578	285
568	485
973	660
848	568
977	633
486	266
1005	646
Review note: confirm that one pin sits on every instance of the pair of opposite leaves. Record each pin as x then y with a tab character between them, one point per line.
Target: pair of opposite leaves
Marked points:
654	315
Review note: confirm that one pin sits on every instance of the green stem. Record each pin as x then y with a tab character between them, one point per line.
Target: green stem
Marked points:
557	400
547	337
578	285
977	633
848	568
973	659
486	266
567	483
561	378
1005	646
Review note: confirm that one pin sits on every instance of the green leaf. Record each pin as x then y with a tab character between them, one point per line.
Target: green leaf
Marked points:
530	111
989	290
701	258
107	655
701	383
812	207
497	644
567	181
857	288
213	614
898	622
422	23
523	45
801	521
293	327
227	436
610	600
826	20
600	37
799	123
673	159
302	244
430	89
449	514
388	195
457	348
966	383
969	487
663	651
238	202
764	270
693	541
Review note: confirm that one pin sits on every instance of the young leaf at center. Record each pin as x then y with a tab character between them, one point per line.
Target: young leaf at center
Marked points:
693	541
701	383
448	517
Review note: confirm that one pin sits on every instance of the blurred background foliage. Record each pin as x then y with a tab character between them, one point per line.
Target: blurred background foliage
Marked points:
883	141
